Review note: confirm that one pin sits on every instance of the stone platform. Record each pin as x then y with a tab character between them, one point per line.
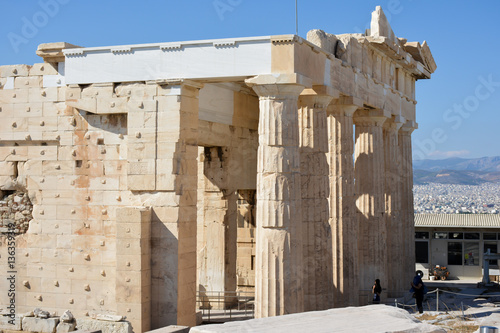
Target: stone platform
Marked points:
371	318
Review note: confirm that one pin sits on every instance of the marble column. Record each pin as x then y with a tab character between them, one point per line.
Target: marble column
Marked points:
392	198
369	189
343	221
407	218
317	250
279	258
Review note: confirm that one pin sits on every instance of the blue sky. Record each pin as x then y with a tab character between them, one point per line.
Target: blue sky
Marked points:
457	110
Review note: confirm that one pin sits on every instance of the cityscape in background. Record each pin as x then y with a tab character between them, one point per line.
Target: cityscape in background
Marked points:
457	186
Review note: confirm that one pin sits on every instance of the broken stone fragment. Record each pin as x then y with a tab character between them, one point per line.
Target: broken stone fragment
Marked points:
64	327
108	317
41	313
29	314
67	316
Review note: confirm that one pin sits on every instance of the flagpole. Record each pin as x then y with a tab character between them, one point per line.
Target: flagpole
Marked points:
296	19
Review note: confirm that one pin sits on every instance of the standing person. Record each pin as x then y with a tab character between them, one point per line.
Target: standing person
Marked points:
418	289
376	290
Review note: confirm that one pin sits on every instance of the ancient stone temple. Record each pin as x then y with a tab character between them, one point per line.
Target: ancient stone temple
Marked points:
154	172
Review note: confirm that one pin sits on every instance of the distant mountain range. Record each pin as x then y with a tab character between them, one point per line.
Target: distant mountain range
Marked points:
457	171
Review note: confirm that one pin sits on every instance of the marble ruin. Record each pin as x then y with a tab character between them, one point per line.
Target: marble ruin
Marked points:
154	172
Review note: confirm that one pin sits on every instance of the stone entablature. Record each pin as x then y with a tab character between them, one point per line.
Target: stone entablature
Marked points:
158	170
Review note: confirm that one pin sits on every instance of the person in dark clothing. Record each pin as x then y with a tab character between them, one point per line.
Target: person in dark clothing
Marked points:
376	289
417	287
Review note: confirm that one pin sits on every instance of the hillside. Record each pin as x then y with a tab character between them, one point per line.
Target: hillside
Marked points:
459	171
489	164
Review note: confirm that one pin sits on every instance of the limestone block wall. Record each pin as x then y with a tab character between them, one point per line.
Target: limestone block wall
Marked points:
133	267
81	152
74	164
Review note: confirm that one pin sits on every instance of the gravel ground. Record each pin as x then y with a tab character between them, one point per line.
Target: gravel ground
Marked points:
461	309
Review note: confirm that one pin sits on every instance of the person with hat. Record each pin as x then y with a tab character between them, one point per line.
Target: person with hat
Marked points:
418	289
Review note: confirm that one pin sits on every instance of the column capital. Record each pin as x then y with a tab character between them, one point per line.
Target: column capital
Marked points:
408	127
318	97
321	90
279	86
394	123
345	106
371	117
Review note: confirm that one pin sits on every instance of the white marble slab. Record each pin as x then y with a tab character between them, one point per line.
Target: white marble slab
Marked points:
191	60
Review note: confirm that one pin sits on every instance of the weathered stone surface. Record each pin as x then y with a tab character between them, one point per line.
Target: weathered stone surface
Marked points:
107	317
29	314
372	318
171	329
7	323
67	316
40	325
39	313
65	327
104	326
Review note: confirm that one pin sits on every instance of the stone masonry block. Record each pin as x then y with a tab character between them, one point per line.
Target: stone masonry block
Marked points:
92	325
43	94
171	329
107	105
141	183
42	124
63	327
132	262
57	167
13	96
133	246
14	70
133	215
6	323
40	325
98	89
141	151
130	293
43	69
140	167
42	152
52	109
133	230
28	82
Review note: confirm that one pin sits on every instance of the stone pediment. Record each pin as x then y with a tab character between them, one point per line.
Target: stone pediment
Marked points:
416	58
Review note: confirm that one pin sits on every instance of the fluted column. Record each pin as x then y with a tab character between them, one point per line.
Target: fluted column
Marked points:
279	258
407	218
317	249
369	187
343	221
392	197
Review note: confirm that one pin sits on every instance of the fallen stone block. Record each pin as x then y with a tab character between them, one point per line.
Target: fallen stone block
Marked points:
65	327
93	325
40	325
171	329
67	316
6	323
107	317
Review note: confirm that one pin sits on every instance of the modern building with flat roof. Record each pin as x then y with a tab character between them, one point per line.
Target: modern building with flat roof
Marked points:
456	241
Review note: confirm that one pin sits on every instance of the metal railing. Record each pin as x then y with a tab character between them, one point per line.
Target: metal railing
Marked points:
388	296
222	306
